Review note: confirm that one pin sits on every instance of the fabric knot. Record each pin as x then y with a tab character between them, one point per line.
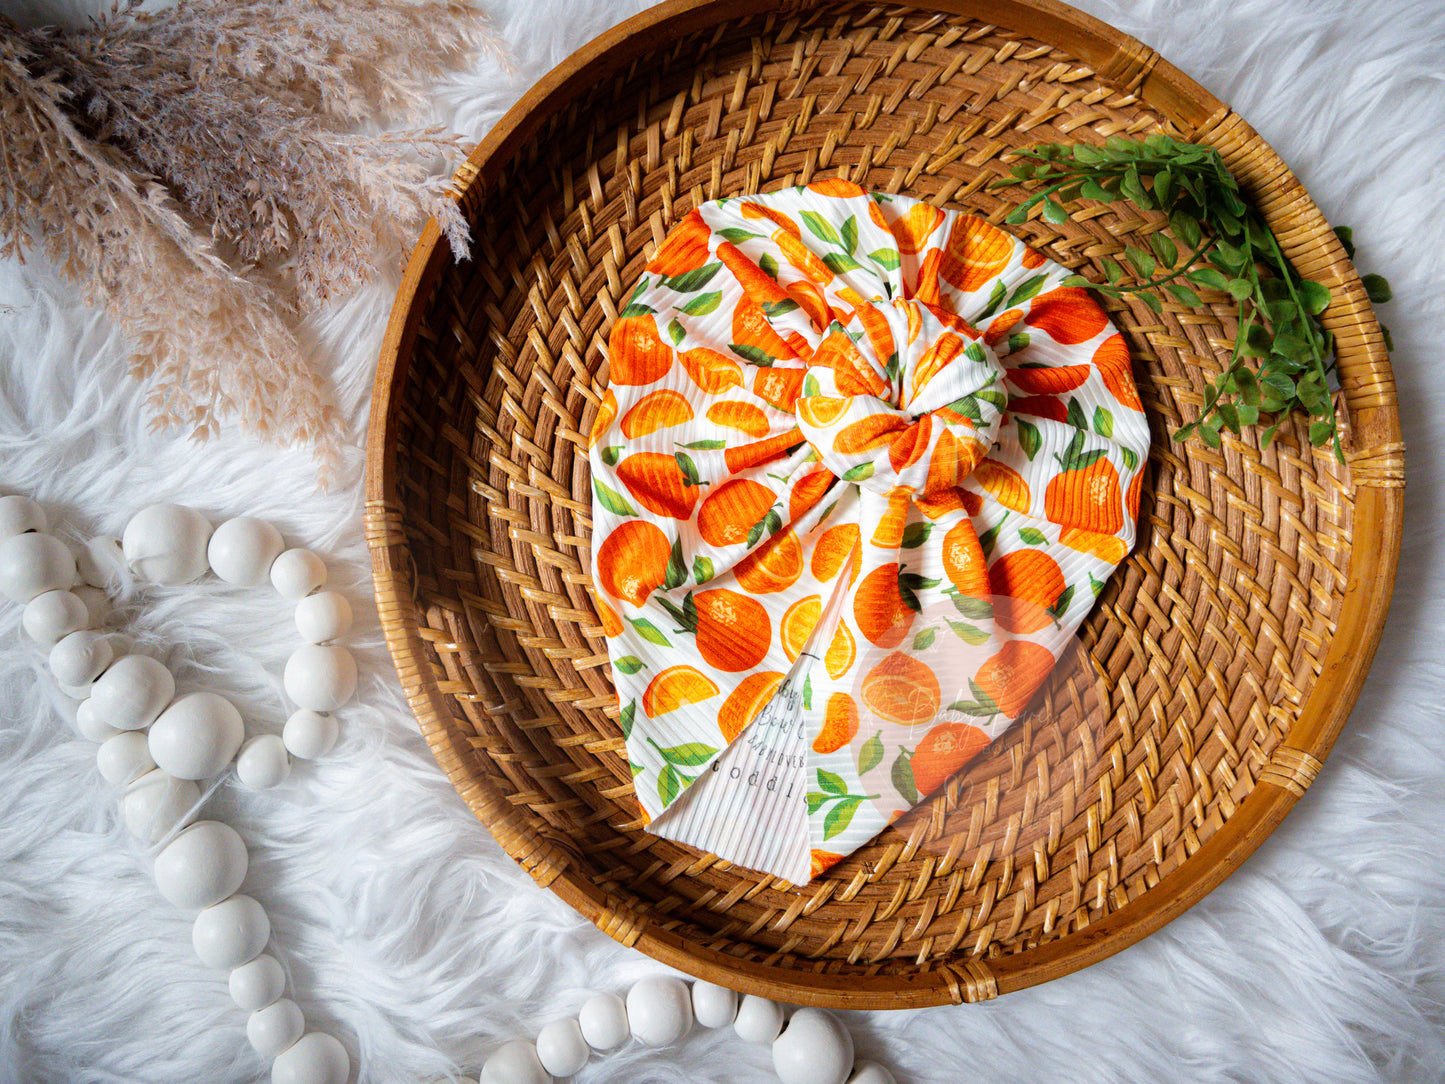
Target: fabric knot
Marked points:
913	398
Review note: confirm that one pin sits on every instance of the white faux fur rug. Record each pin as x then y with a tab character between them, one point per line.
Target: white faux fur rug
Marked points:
408	932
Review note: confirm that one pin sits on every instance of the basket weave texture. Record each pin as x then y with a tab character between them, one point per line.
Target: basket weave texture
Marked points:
1209	682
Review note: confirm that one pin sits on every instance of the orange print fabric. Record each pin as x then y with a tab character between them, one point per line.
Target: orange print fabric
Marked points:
863	461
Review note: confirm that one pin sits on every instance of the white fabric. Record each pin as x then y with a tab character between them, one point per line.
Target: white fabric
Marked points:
412	936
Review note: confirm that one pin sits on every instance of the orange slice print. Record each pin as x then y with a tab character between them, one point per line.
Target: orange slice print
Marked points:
676	686
833	550
657	483
774	566
974	253
840	723
1068	315
798	624
712	372
684	249
744	417
902	690
636	353
743	704
661	409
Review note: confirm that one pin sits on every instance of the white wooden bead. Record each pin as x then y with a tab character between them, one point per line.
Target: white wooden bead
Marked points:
603	1020
515	1062
34	563
241	550
76	692
561	1048
78	658
257	984
133	691
315	1058
309	734
870	1072
156	802
323	616
230	933
262	762
50	617
97	604
166	544
124	758
92	724
321	677
100	561
659	1010
197	735
296	573
713	1006
20	514
274	1028
759	1020
201	866
815	1048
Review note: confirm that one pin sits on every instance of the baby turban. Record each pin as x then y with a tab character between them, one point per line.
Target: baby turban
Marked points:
861	470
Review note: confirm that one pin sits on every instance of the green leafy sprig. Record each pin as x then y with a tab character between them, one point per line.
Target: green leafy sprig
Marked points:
1229	247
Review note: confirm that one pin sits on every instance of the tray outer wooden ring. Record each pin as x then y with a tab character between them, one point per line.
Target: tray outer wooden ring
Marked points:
1375	454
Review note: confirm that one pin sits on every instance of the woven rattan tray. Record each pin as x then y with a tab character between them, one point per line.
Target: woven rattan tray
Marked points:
1210	681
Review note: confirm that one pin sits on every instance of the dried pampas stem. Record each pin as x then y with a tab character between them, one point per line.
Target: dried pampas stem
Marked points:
201	172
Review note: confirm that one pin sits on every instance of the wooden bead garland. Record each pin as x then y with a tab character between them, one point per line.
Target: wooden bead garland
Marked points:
160	747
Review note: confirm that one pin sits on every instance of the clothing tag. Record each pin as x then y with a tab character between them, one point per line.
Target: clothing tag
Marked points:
749	806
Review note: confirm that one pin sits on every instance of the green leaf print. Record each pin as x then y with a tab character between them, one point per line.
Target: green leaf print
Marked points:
821	228
831	782
840	816
625	717
1029	439
871	754
690	755
968	633
669	785
924	640
648	631
902	776
850	234
886	258
611	500
1032	536
702	569
702	304
689	282
629	664
675	576
915	534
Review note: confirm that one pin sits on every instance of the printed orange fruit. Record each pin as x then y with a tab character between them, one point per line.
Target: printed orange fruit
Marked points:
852	375
840	723
911	445
842	650
927	291
869	433
1012	676
974	253
757	210
657	483
946	748
880	335
820	411
684	249
746	701
902	690
606	413
1048	379
835	187
807	493
963	560
1025	585
912	230
632	561
1106	547
811	300
953	460
835	546
802	259
752	329
759	287
779	386
1112	358
823	860
879	611
733	631
1131	498
1005	484
656	410
1087	498
888	534
937	503
742	456
943	351
1039	406
744	417
611	622
712	372
729	512
1068	315
636	353
914	314
676	686
798	624
1033	258
1001	326
774	566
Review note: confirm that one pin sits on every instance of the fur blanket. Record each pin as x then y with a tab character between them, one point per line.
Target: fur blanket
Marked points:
406	930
